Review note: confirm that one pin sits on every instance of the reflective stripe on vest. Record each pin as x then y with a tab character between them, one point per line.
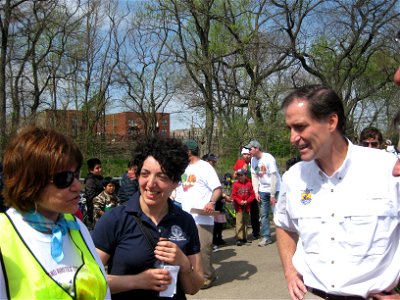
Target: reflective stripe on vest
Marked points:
25	277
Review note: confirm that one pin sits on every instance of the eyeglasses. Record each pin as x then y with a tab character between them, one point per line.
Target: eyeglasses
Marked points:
64	179
370	144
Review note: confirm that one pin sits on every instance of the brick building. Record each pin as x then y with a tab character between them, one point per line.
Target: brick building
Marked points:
124	124
118	126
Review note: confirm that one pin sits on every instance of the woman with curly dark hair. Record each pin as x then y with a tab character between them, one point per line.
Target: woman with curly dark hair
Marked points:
131	238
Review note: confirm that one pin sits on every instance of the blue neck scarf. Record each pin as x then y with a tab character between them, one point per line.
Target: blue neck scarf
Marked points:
57	229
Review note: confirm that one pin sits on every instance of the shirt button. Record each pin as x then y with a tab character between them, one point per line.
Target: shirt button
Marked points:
332	215
332	190
332	238
332	262
332	286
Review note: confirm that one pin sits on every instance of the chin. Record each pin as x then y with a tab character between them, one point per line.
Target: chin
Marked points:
71	210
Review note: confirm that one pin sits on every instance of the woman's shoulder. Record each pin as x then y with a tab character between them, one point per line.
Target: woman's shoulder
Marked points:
178	212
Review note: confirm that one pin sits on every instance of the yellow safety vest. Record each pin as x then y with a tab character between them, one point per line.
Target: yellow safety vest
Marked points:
26	278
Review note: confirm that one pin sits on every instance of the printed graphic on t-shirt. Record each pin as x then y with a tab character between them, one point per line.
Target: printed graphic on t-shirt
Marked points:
64	275
177	234
188	181
261	170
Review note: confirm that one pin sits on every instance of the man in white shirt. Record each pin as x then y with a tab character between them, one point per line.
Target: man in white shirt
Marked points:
200	188
338	213
266	181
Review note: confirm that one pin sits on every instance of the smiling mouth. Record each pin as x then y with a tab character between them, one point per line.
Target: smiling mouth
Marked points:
152	193
302	147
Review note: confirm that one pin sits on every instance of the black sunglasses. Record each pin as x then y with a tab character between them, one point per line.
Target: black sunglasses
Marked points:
372	144
64	179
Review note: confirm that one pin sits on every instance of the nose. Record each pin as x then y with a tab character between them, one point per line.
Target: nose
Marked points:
294	137
76	185
151	181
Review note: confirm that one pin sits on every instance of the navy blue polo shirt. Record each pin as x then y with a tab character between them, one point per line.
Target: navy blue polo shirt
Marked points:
117	234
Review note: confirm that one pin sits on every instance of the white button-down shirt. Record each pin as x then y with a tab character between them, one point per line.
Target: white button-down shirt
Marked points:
348	223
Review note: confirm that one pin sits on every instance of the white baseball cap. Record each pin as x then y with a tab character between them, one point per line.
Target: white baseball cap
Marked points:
245	151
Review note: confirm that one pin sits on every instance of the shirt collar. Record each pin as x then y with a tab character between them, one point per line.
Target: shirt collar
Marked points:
342	170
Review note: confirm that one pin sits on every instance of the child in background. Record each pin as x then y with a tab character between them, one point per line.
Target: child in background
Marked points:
242	195
106	200
93	187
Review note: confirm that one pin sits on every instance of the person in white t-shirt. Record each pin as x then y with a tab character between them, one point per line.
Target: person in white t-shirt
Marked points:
266	181
198	192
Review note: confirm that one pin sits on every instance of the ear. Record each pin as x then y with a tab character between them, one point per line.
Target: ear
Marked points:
333	120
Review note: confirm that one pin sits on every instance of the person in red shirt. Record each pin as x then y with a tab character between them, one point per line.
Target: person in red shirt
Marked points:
242	195
243	163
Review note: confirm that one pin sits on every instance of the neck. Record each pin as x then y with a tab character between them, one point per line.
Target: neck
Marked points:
335	156
51	215
259	154
155	213
194	159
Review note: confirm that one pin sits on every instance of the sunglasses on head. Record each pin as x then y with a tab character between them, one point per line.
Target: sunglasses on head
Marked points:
64	179
372	144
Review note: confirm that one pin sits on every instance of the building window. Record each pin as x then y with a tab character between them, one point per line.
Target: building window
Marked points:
163	132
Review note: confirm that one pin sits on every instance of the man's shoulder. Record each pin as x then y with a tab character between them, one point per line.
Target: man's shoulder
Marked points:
202	166
267	156
373	158
301	167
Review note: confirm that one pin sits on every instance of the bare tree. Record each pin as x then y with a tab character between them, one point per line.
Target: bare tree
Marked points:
339	43
101	41
259	50
7	9
146	73
192	22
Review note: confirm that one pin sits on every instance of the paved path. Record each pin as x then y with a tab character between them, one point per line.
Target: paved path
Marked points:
246	272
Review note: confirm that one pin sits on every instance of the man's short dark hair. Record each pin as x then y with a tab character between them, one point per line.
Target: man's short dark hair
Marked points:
323	101
371	133
92	162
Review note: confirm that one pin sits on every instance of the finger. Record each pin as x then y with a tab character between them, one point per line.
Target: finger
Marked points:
164	244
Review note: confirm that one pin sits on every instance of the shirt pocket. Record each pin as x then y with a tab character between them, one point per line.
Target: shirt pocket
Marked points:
368	228
308	220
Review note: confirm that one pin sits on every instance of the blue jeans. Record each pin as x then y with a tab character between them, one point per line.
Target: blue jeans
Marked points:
264	212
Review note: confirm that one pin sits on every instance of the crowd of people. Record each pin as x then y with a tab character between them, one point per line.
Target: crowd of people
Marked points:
151	234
